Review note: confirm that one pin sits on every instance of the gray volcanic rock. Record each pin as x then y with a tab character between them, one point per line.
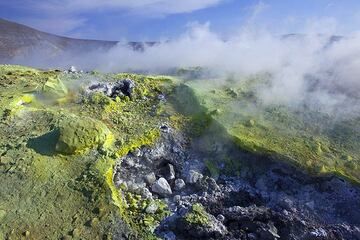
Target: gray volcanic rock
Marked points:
168	172
179	184
193	176
162	187
277	202
118	89
215	229
150	178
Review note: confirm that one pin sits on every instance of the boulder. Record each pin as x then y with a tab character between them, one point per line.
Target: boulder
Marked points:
161	187
193	177
54	88
124	87
179	184
164	128
77	134
168	172
150	178
220	217
118	89
145	193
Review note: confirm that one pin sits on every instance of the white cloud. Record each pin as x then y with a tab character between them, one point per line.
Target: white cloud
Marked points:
258	9
149	7
57	25
64	16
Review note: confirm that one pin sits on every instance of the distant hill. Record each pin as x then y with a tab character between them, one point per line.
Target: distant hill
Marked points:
17	40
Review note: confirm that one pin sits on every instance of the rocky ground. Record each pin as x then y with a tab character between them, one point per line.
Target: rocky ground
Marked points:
278	202
127	156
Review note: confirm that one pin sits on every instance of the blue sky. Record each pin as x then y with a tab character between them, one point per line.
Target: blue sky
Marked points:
162	19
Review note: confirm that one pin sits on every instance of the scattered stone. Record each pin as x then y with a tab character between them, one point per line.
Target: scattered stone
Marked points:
168	172
113	90
164	129
320	232
159	151
145	193
271	233
215	112
94	222
72	69
136	152
237	208
152	208
177	198
150	178
135	187
101	87
123	186
179	184
2	214
251	123
161	97
221	218
212	185
176	149
162	187
193	177
130	162
26	234
231	92
75	232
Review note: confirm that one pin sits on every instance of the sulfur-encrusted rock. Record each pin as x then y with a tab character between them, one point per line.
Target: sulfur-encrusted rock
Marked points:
152	208
202	225
54	88
80	134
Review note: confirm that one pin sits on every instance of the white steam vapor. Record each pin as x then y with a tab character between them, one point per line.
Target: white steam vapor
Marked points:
317	69
310	68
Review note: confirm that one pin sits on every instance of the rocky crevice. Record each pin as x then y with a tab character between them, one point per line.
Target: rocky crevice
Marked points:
277	202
